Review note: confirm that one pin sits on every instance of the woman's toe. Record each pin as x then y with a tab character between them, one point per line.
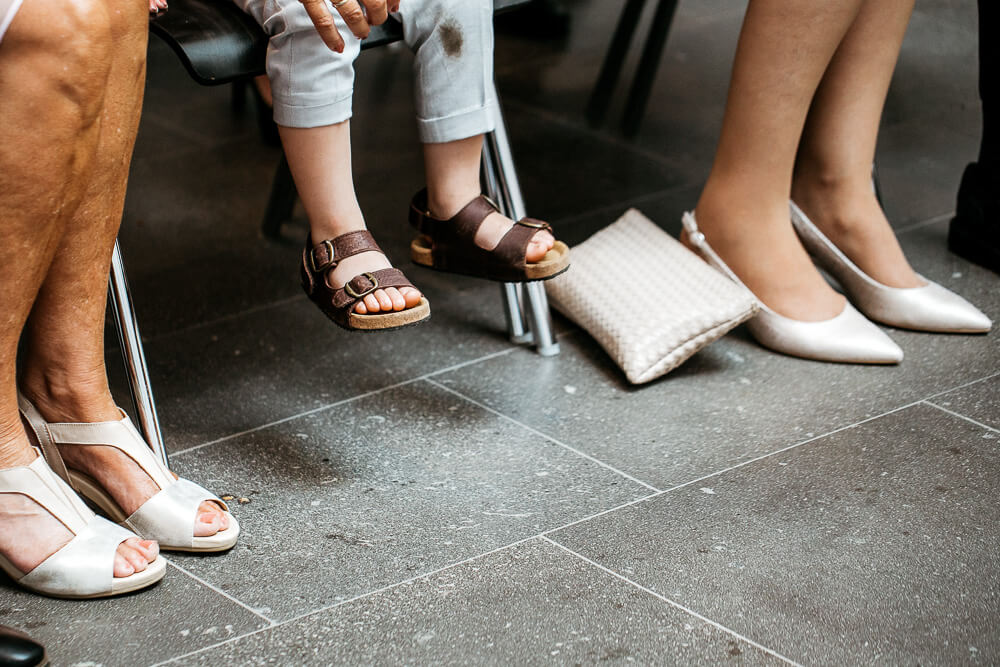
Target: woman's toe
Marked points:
535	252
134	557
372	303
208	524
150	549
122	567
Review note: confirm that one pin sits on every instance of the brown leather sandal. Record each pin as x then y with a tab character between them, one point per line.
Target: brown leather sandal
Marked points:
338	303
449	245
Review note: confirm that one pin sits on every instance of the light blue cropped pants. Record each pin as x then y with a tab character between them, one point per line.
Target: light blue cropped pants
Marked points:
452	41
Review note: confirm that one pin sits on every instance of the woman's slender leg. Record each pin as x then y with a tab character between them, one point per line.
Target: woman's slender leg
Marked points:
784	48
54	57
320	160
832	180
63	368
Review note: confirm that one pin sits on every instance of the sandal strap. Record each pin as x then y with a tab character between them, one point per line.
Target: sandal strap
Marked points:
327	254
463	224
362	285
169	516
37	481
46	442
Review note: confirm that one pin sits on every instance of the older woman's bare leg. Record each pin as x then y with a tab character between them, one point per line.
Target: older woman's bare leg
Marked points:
832	180
784	49
57	57
63	367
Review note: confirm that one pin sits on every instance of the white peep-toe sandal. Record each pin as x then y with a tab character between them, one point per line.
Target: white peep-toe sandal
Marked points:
168	517
84	567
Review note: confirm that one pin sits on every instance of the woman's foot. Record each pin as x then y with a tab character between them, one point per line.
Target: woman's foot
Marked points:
851	217
29	534
118	474
761	248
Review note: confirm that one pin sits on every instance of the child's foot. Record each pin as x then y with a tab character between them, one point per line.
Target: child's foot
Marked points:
352	282
470	236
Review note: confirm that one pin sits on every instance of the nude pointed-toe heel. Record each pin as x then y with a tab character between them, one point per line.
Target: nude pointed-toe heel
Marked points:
930	307
846	338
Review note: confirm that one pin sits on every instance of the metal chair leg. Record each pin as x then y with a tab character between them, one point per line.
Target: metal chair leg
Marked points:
133	356
503	186
645	75
281	203
600	98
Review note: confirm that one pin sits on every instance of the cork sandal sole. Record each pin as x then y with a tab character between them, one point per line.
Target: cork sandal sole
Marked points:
555	262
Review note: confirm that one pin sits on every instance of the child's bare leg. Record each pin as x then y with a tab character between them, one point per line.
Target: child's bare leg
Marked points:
320	160
452	170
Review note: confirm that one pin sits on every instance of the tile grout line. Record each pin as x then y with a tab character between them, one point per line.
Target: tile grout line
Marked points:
344	401
341	603
963	386
270	622
672	603
961	416
544	534
924	223
225	318
543	435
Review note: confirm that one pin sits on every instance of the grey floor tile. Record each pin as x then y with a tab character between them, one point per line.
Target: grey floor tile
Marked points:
247	371
382	489
733	400
980	401
532	604
177	616
877	544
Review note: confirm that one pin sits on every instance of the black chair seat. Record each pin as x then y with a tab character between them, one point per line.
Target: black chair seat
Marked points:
218	43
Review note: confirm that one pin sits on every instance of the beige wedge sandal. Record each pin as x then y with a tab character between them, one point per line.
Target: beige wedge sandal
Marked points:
84	567
168	517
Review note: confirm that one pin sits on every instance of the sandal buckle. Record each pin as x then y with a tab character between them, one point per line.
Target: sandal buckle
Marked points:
534	225
329	264
371	278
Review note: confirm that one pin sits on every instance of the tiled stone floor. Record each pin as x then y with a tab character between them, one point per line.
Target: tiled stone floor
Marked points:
439	496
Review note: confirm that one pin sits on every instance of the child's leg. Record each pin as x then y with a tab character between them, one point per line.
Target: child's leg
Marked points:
456	104
312	89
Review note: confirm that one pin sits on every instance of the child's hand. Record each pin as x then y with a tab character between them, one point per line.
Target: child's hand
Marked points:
359	15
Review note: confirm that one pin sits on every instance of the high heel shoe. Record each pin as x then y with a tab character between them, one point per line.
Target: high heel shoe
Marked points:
84	567
927	308
168	517
846	338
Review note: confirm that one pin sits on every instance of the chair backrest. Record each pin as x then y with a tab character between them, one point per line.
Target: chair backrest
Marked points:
218	43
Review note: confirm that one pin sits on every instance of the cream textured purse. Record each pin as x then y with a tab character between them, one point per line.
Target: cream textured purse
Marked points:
690	304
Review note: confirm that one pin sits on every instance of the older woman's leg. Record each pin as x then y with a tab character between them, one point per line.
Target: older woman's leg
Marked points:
833	173
57	57
63	366
784	49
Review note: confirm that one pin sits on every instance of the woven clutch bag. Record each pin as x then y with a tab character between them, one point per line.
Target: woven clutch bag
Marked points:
688	304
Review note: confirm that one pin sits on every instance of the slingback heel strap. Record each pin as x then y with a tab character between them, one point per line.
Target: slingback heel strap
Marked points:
40	428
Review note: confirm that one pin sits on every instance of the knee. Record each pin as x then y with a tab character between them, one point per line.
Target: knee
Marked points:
74	47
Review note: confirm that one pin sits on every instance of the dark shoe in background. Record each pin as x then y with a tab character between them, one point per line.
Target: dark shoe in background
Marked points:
974	233
19	650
